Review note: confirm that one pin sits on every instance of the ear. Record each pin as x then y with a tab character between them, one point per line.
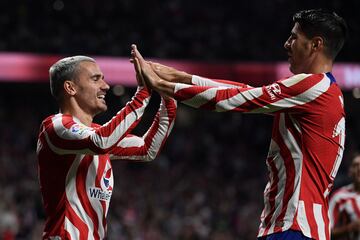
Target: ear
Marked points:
69	87
317	44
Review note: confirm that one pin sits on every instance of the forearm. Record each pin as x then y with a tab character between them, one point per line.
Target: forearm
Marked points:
165	87
123	122
146	148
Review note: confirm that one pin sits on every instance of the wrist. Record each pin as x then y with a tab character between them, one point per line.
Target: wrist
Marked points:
185	78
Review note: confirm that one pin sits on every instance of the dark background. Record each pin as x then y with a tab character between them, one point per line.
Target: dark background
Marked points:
208	181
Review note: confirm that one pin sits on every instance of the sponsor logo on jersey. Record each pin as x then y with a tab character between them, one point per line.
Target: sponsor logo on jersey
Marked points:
106	180
103	193
273	90
99	194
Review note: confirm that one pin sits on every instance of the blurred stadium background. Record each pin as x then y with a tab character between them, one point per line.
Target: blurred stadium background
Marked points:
208	181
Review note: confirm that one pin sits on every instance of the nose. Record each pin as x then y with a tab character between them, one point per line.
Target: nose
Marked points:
105	86
287	44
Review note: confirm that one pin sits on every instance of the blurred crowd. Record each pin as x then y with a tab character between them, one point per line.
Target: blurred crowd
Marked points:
206	184
210	30
208	181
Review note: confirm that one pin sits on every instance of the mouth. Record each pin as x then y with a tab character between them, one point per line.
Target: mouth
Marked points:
101	97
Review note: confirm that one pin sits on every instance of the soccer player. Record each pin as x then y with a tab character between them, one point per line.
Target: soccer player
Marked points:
308	135
74	154
344	206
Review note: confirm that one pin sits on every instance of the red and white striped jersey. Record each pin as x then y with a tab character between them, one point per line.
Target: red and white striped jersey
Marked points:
344	207
306	146
75	172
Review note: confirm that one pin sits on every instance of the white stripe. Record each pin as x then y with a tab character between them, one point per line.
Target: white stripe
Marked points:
300	99
302	220
99	141
61	151
66	133
294	79
200	98
295	123
121	128
339	131
297	157
73	198
95	203
238	99
71	229
319	220
160	136
279	164
206	82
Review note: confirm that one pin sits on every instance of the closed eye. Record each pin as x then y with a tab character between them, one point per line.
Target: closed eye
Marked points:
97	77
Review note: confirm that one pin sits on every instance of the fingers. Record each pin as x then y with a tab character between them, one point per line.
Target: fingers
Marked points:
136	54
139	77
143	67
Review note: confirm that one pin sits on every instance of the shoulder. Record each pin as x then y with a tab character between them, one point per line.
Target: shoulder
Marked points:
297	78
58	120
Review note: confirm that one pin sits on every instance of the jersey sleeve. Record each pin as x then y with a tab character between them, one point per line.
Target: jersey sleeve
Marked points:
284	95
147	147
66	135
201	81
335	203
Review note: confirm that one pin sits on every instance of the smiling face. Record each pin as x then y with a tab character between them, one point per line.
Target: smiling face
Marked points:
299	50
90	88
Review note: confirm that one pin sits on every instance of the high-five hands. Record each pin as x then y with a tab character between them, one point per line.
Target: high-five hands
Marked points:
151	78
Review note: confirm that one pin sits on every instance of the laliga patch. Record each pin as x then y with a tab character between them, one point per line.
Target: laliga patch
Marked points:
78	129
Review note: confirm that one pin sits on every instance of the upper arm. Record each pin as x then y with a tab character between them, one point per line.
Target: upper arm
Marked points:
288	94
65	136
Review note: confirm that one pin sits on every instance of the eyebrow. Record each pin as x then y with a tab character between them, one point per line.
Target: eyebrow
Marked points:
97	75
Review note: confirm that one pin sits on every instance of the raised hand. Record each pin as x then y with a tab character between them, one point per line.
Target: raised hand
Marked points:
147	73
139	76
151	79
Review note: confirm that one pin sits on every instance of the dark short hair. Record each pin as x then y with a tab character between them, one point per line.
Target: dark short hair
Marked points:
62	70
326	24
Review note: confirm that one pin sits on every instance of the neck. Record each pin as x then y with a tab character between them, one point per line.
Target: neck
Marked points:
320	64
75	111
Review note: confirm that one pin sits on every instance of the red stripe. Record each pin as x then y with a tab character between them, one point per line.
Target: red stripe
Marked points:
311	219
103	161
81	190
77	222
290	173
80	144
325	216
189	92
221	94
286	92
272	194
142	150
301	86
119	119
68	236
